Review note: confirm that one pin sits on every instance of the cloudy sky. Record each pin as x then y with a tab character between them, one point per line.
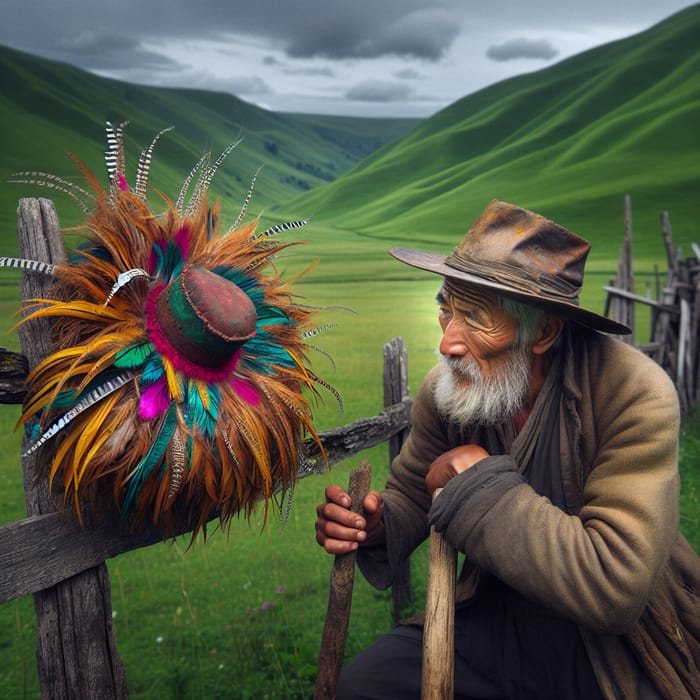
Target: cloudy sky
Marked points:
352	57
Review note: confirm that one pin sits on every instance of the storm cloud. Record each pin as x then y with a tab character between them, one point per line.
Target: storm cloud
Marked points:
366	57
522	47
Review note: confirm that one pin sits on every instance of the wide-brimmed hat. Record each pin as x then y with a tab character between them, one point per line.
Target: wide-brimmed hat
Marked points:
520	254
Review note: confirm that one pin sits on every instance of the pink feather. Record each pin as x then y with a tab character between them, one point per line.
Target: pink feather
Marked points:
154	400
246	391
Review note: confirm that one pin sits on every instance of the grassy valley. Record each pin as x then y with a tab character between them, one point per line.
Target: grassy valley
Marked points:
48	108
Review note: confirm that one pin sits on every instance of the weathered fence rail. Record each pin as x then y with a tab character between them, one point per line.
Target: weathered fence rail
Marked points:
63	565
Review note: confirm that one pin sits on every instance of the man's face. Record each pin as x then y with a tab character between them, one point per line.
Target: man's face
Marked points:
486	378
475	328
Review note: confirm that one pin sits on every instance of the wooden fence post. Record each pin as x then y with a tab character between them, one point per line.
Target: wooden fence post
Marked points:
76	652
396	391
623	309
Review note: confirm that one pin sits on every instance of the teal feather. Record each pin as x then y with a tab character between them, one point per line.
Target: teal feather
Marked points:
245	282
134	356
261	352
64	399
151	459
268	315
169	260
153	369
198	415
172	260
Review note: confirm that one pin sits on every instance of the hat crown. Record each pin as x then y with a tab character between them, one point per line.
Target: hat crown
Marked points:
205	316
515	246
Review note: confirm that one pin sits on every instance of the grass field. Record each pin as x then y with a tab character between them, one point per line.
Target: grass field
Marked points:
241	615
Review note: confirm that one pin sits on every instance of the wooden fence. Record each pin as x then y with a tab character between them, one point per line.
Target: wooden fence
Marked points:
673	301
63	566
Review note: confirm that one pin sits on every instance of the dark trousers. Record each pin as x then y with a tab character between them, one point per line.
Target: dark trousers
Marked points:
505	648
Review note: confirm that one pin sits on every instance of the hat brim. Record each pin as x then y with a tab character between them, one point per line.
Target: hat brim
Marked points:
435	262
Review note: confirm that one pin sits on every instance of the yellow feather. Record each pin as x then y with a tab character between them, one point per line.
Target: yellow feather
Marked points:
91	433
175	386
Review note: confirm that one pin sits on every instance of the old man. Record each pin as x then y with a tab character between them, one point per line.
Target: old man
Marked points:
556	448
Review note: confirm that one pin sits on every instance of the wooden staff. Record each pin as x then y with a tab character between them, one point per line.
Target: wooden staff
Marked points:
335	629
438	635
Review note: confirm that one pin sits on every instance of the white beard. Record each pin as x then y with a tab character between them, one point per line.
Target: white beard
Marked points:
465	396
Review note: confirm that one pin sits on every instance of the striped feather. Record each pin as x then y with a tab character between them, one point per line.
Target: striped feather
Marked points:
123	278
177	466
50	182
144	165
199	165
204	181
278	228
92	398
246	202
32	265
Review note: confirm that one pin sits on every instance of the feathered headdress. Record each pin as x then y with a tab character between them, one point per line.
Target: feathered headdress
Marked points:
176	386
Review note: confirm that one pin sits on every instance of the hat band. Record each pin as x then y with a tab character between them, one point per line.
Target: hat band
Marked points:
518	279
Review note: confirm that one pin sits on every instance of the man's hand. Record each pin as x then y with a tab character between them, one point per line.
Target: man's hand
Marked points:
339	530
451	463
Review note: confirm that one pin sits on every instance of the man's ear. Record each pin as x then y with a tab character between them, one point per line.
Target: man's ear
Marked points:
548	331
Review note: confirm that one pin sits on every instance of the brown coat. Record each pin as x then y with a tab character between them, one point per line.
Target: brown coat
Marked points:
615	562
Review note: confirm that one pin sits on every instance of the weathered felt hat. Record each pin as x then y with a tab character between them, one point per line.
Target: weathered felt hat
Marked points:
520	254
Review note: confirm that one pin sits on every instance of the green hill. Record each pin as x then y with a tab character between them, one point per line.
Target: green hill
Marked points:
569	141
48	108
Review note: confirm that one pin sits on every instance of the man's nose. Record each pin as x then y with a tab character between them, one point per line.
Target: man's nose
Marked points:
452	343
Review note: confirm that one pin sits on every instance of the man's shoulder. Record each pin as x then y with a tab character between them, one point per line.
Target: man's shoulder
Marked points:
611	359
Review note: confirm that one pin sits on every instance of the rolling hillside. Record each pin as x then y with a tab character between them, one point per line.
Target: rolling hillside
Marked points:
48	108
569	141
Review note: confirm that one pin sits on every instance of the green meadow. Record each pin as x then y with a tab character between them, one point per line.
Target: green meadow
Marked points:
241	615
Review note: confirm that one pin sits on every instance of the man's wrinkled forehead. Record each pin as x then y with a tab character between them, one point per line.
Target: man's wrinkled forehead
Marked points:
467	293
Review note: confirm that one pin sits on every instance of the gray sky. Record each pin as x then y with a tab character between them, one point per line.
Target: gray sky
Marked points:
353	57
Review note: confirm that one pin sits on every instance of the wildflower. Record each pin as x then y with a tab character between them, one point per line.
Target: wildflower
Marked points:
281	589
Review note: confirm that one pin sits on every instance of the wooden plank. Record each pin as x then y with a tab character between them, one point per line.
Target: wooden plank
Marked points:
616	291
437	678
662	332
335	628
76	650
13	371
683	348
347	441
622	307
395	385
43	550
395	390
